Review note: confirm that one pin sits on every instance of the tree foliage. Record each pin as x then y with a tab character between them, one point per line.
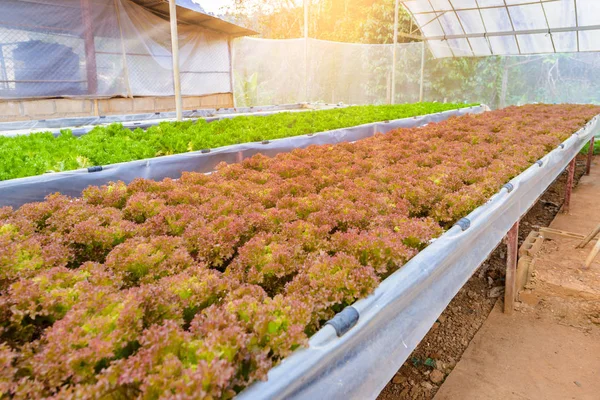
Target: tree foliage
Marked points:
355	21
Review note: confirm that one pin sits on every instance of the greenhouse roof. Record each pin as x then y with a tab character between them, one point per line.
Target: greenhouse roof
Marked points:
187	14
458	28
65	16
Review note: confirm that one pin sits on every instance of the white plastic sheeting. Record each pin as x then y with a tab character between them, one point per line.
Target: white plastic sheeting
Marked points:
103	48
394	319
455	28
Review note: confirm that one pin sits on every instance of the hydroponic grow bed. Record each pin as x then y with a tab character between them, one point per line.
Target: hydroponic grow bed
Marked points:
121	292
16	192
82	125
38	153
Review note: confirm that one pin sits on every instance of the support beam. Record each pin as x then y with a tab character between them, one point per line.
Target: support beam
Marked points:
306	66
394	51
411	36
512	249
576	22
506	33
124	53
588	166
3	74
569	188
490	7
422	81
231	77
90	48
175	51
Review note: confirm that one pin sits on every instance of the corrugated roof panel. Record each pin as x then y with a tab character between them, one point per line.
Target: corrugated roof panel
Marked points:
481	47
565	42
496	19
535	43
460	47
504	45
561	14
471	21
458	4
507	26
527	17
429	25
193	17
451	24
588	40
440	49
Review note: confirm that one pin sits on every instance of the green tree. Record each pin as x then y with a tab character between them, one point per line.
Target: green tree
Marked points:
354	21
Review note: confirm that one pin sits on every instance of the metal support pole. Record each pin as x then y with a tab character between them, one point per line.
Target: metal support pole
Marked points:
569	189
3	73
588	166
394	50
175	50
421	86
512	247
306	66
125	66
484	35
231	77
90	48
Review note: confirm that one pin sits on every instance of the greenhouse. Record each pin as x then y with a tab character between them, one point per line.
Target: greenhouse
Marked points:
304	199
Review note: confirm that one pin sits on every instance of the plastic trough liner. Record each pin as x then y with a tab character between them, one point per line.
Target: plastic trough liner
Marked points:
383	329
81	125
16	192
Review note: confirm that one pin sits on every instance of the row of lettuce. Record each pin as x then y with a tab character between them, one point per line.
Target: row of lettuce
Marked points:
40	153
586	148
195	288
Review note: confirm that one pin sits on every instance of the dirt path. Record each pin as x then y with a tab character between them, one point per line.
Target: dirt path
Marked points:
523	357
550	348
438	353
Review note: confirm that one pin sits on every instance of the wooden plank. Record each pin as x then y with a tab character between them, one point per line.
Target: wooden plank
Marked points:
555	234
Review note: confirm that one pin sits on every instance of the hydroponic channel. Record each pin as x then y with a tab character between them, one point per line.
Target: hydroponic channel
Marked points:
140	288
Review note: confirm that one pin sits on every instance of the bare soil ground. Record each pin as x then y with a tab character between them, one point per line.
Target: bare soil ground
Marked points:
438	353
559	285
548	348
527	356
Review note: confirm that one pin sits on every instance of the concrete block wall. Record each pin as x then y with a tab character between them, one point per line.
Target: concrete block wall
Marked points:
22	110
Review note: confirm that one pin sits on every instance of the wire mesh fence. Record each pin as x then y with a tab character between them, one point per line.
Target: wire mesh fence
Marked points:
289	71
106	48
103	48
